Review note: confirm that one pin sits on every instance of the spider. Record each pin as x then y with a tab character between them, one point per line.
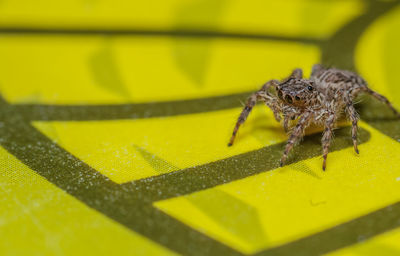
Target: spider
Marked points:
320	99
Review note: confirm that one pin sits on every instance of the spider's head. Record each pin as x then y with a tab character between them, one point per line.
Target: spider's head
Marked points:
297	92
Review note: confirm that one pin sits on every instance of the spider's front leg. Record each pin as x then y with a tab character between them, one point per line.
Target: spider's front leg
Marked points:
327	137
286	120
287	117
262	95
297	133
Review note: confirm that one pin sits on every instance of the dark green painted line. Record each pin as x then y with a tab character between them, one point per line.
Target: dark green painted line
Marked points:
346	234
190	33
339	50
36	112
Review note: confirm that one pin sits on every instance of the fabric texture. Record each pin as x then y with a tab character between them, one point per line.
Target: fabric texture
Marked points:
115	119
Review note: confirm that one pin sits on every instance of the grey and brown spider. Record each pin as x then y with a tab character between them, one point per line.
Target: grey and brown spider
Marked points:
320	99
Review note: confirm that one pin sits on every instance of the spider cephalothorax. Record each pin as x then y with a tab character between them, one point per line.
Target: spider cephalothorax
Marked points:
320	99
297	92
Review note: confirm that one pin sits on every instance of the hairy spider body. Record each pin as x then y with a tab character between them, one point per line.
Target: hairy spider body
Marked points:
321	99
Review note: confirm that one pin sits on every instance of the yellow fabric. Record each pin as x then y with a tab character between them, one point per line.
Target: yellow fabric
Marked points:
37	218
248	215
297	17
102	70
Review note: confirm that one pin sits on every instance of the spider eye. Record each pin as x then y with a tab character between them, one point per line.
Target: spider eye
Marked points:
289	99
297	98
280	94
310	88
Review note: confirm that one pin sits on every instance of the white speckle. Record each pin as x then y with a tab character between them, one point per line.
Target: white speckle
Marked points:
398	179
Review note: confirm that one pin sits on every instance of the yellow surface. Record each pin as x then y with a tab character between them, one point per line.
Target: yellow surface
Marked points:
37	218
294	17
248	215
97	70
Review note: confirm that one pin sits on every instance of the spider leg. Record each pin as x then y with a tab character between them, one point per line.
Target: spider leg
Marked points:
286	121
297	133
272	104
354	119
270	83
263	95
297	73
327	137
383	99
316	68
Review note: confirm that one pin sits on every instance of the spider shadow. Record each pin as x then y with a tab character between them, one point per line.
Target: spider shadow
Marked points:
261	128
379	116
303	168
312	143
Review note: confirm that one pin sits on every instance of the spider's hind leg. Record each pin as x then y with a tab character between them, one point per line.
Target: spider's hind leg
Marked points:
382	99
316	68
297	73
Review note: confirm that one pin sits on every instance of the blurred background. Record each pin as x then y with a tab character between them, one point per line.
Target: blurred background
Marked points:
115	116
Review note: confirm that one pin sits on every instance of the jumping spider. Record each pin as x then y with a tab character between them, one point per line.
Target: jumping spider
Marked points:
320	99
